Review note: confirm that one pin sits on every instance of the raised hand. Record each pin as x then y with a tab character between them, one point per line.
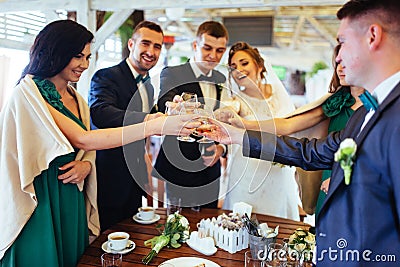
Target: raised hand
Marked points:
179	124
228	115
224	133
224	114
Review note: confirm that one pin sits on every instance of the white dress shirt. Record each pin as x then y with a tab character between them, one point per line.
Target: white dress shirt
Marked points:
380	93
208	89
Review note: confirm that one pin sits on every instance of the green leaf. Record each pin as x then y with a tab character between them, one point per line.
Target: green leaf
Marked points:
175	245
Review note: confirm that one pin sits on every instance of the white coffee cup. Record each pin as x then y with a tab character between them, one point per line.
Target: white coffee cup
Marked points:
118	240
146	213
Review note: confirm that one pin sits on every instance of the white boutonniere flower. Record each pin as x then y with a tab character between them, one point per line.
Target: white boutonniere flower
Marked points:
346	156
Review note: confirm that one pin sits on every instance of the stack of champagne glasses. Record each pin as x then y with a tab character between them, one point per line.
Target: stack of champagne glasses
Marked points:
191	105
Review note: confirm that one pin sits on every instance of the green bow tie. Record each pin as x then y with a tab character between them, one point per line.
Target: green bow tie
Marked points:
142	79
368	101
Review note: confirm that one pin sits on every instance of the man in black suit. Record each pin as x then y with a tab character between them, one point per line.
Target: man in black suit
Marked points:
191	176
122	95
358	224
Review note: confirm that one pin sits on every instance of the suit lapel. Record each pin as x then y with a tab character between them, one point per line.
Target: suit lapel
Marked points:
131	85
393	95
150	93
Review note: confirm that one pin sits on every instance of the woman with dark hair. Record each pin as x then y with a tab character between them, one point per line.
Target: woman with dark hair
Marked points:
47	172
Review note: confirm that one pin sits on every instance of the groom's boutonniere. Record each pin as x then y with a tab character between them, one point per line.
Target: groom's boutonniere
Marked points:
345	156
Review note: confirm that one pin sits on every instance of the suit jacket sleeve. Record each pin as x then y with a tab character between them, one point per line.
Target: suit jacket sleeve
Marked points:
168	88
109	98
309	154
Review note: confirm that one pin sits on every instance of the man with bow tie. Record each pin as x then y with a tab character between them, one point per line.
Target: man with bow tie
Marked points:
359	222
190	176
122	95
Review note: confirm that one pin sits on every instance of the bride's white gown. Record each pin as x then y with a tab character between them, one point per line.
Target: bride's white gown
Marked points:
270	189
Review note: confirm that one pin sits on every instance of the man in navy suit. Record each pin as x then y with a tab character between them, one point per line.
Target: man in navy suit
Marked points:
359	222
122	95
191	176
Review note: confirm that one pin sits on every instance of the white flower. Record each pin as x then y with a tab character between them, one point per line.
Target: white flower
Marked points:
310	238
300	247
184	222
171	218
345	156
301	233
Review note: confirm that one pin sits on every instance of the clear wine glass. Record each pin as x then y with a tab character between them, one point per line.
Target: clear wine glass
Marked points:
186	109
205	113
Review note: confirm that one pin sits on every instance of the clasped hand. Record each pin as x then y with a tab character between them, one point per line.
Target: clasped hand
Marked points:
229	116
76	171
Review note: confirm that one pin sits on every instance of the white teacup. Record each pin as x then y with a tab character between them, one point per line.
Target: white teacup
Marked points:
118	240
146	213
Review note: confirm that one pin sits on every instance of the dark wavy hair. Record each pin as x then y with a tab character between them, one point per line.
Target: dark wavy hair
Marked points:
54	47
335	85
252	52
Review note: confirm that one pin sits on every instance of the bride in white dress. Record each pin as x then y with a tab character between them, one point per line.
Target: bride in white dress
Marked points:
270	188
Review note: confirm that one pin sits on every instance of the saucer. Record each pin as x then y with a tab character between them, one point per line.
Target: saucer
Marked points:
138	220
124	251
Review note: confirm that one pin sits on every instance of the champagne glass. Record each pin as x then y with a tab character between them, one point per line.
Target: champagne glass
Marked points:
189	100
188	106
205	113
186	110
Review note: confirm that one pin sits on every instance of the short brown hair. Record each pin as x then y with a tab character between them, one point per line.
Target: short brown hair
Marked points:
212	28
149	25
385	11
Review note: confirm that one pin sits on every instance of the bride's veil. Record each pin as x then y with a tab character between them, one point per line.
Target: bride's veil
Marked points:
281	95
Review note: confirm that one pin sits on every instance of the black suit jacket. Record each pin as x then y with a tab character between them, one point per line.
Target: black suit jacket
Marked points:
181	162
114	101
361	219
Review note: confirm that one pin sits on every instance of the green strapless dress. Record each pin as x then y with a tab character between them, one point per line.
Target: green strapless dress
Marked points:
338	108
56	234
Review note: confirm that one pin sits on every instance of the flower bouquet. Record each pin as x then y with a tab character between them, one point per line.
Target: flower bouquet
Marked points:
176	231
302	242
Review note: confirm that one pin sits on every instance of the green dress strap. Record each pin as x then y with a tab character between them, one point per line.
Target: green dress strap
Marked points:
338	108
51	95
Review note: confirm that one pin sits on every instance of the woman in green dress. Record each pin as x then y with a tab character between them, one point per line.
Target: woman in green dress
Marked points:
47	170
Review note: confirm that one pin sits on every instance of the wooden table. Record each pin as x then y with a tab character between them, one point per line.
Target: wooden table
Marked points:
139	233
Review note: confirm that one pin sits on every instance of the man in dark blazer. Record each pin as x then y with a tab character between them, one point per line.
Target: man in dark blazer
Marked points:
359	222
123	95
191	176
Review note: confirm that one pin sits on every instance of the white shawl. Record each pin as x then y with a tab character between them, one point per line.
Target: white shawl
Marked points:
30	140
